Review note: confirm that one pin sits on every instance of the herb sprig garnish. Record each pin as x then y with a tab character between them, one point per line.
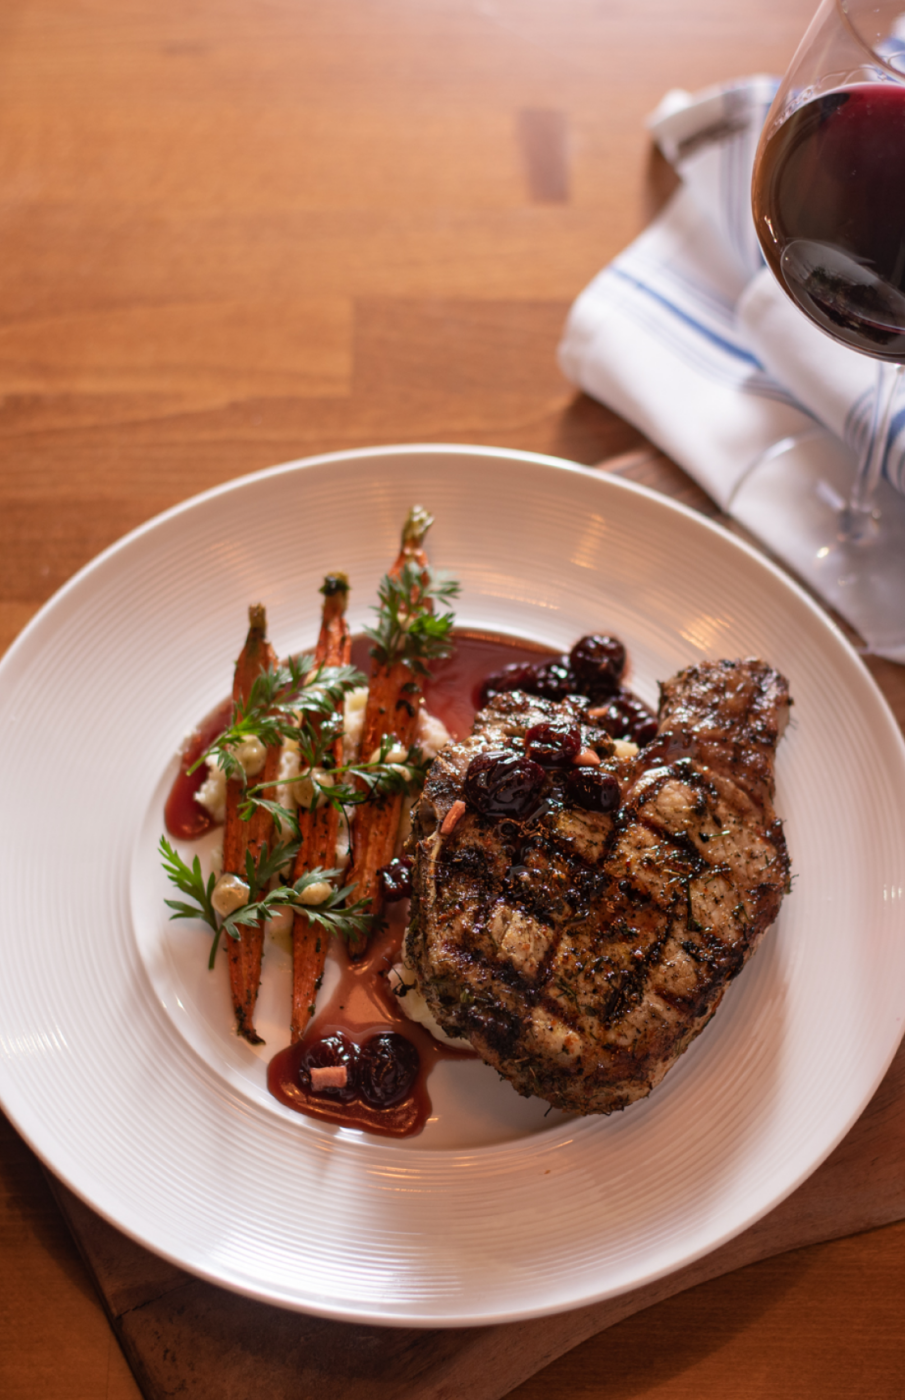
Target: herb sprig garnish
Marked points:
284	816
407	628
378	778
260	870
189	879
282	703
332	913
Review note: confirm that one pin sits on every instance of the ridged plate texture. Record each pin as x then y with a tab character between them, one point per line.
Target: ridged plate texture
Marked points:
112	1062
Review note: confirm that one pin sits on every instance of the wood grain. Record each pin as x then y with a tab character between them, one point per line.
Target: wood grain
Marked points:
544	138
235	232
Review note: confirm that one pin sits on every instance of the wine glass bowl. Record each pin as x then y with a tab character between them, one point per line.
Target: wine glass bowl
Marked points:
829	204
829	209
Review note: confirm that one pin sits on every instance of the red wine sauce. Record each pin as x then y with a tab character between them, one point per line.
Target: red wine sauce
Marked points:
363	1005
185	818
452	691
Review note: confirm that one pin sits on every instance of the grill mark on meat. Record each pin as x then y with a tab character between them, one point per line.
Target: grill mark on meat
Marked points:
582	952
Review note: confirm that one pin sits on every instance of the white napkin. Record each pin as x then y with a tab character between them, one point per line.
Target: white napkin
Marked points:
689	336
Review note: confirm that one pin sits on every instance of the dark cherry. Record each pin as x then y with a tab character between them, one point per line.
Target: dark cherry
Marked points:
520	675
552	680
553	743
332	1050
388	1066
396	879
627	717
503	784
592	789
598	662
555	680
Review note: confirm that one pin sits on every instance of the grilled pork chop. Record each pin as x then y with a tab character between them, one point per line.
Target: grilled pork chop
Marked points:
580	950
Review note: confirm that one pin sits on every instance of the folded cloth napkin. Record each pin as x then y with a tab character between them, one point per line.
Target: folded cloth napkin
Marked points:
689	336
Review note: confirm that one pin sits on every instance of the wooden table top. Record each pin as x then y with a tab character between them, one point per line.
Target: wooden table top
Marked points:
236	232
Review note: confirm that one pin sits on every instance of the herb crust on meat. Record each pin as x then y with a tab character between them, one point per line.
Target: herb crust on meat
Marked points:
580	952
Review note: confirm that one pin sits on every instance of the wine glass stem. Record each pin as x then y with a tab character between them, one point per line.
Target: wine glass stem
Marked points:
858	519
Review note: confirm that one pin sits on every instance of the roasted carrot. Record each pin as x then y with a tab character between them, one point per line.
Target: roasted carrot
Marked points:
394	699
318	829
239	836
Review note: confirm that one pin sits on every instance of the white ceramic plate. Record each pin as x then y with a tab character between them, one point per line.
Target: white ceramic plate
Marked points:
113	1062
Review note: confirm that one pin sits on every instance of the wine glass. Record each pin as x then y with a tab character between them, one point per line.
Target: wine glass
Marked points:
829	209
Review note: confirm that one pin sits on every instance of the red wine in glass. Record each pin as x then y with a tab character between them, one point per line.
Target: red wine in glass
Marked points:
829	204
829	208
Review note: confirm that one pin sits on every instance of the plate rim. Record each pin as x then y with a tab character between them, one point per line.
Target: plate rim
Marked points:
606	482
596	472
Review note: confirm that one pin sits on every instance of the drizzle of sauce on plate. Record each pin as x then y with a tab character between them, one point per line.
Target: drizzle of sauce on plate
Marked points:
186	819
361	1006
